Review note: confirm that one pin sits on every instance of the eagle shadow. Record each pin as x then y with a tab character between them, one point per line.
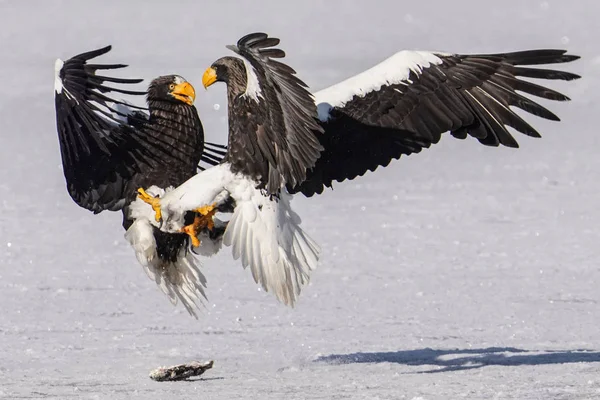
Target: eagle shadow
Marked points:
464	359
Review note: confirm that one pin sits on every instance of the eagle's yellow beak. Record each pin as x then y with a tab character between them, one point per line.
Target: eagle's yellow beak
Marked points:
184	92
209	77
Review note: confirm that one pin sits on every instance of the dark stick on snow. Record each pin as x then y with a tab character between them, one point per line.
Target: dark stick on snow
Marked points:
180	372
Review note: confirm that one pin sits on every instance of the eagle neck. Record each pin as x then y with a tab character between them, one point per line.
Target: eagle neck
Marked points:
236	83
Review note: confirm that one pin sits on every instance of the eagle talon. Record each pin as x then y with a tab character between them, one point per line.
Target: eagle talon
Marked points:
191	232
204	220
153	201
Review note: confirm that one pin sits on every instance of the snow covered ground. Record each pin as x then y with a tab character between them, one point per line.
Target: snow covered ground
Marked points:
461	272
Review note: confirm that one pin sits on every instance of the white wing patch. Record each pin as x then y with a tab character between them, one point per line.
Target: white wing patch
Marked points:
58	86
266	235
394	70
204	188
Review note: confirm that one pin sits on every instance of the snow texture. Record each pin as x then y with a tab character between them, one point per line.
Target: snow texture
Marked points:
460	272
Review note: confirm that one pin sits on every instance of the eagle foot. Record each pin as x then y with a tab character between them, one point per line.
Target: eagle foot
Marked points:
153	201
203	219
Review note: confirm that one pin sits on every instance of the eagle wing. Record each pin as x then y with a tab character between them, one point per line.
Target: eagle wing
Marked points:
100	140
283	131
405	103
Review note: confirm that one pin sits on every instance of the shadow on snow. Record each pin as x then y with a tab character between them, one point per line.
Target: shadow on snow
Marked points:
463	359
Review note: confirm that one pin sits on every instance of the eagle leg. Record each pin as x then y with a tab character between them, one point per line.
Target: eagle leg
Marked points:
153	201
203	219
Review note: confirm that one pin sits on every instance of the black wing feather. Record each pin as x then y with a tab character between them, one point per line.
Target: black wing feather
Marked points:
100	151
286	126
468	95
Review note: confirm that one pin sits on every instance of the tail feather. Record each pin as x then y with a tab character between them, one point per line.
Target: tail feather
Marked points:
266	235
179	278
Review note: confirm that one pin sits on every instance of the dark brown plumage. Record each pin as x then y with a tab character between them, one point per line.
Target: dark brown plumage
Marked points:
273	118
110	149
274	138
467	95
105	158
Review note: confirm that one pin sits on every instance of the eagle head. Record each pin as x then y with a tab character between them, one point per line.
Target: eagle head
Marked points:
230	70
173	88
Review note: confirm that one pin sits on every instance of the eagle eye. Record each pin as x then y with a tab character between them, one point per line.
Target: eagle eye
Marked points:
172	86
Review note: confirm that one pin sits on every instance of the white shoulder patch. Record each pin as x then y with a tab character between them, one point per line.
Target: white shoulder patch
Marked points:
394	70
252	86
58	86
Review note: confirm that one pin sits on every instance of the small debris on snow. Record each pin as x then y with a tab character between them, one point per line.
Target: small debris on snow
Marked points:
180	372
9	244
217	107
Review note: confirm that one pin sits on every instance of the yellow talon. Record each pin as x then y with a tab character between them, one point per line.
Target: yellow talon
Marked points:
204	220
190	230
207	215
153	201
206	210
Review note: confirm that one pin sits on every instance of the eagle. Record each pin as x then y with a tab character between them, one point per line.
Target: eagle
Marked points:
283	140
110	148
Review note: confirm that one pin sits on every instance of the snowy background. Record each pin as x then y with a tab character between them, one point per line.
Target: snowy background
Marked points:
461	272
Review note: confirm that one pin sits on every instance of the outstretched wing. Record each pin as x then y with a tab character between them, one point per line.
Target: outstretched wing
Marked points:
284	121
100	142
405	103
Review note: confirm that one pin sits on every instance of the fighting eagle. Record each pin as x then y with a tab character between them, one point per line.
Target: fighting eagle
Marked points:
111	148
283	140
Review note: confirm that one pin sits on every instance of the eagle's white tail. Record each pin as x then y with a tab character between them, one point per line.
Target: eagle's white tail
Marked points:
180	280
265	233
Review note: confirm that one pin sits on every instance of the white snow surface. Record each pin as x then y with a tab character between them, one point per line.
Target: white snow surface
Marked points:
460	272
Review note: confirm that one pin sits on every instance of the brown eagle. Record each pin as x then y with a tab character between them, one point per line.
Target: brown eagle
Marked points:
111	148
